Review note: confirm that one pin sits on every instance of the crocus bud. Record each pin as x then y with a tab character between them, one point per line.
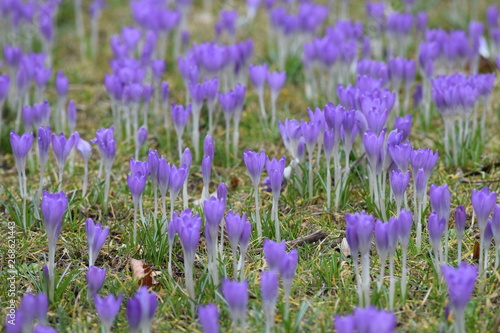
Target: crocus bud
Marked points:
344	324
180	116
72	116
275	171
142	136
236	295
483	202
62	84
460	282
258	74
213	209
95	279
96	237
21	145
405	220
404	124
206	168
177	177
460	218
107	308
62	147
436	227
276	80
235	225
163	175
208	147
255	163
399	184
141	309
153	162
287	268
222	191
83	148
54	206
274	252
188	227
208	316
440	200
269	287
363	224
136	183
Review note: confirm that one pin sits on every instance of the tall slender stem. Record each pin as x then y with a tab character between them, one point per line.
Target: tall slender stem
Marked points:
358	278
257	210
392	282
51	264
365	262
275	217
328	184
404	274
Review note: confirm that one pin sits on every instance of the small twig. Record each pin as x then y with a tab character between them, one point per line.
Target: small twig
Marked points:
480	181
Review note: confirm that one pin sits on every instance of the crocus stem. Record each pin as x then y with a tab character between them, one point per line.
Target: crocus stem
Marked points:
419	227
228	125
273	108
358	278
404	274
61	171
188	269
136	203
155	191
257	210
328	184
485	258
235	262
195	134
170	246
365	262
260	93
52	254
85	178
172	203
481	252
497	253
269	311
459	321
179	146
382	271
392	282
310	173
287	287
274	214
221	245
185	193
459	255
40	186
106	189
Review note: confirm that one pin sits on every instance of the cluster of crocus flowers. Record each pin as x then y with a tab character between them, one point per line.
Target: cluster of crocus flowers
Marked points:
30	316
365	320
285	263
259	74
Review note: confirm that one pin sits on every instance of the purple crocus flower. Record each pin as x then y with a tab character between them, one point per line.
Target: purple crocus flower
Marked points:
107	308
208	316
177	177
62	147
255	163
373	144
344	324
213	210
276	81
440	200
21	145
96	237
136	183
72	116
141	310
209	147
140	139
460	282
460	218
62	84
258	75
274	252
269	284
404	124
483	202
54	206
399	184
236	296
95	279
275	171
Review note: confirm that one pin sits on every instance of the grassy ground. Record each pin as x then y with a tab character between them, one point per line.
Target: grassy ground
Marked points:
324	283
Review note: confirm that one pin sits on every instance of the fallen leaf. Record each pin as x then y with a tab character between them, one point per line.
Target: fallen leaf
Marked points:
344	246
143	272
475	253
